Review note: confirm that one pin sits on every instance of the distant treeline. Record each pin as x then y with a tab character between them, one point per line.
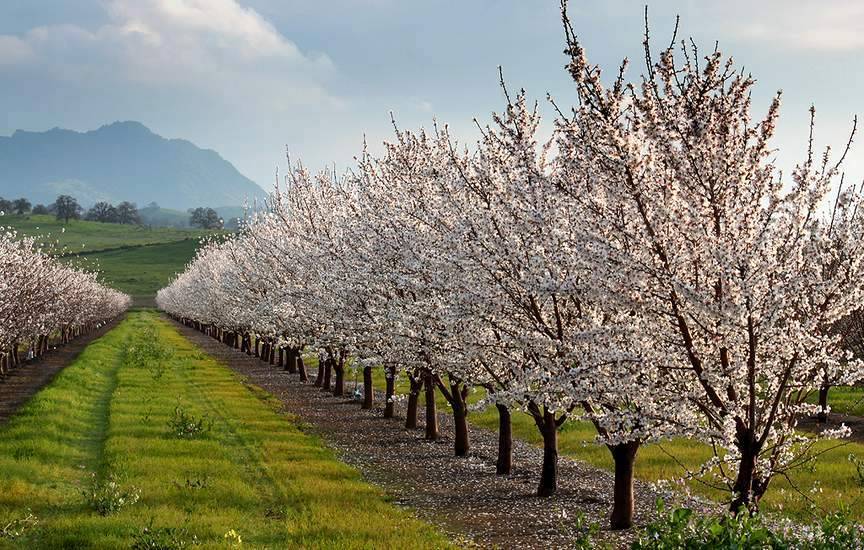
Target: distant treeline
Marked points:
66	208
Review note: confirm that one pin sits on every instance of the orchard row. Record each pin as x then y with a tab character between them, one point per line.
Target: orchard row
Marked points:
44	302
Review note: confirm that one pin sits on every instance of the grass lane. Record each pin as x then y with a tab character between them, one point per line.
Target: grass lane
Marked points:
248	470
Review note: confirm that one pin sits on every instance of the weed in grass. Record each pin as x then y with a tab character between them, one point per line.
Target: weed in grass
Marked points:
108	496
277	514
586	532
194	482
146	351
163	538
185	425
22	454
682	528
233	539
859	468
17	527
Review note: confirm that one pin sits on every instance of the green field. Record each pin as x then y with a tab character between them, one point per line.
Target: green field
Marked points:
82	236
143	270
844	400
105	458
137	260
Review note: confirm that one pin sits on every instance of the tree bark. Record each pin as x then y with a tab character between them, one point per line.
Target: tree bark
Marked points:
549	473
328	372
368	390
624	455
747	491
413	398
292	356
461	443
319	378
431	409
302	368
339	368
504	464
822	417
389	393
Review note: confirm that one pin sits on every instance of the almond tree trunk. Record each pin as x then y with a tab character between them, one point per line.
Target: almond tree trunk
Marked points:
319	378
504	464
461	443
292	356
624	455
549	473
339	368
328	372
389	392
822	417
302	368
431	409
746	489
413	398
368	390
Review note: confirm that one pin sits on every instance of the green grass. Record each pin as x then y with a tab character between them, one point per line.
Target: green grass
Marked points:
253	472
833	480
140	271
82	236
844	400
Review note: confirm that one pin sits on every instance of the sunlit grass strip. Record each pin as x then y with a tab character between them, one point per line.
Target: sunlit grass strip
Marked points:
252	472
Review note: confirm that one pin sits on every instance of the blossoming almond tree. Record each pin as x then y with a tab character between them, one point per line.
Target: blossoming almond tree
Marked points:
545	339
721	260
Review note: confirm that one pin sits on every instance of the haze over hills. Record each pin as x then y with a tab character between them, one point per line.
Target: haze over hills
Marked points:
123	161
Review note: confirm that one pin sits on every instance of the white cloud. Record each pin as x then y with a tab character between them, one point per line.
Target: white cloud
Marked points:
831	25
13	50
213	46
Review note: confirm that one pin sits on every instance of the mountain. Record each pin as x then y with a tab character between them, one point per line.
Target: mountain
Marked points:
123	161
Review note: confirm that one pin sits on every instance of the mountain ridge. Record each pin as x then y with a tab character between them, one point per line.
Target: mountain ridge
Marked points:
123	160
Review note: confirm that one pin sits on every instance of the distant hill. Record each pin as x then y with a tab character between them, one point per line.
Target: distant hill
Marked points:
123	161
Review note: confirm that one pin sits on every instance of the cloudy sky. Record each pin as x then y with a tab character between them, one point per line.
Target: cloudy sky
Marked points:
249	78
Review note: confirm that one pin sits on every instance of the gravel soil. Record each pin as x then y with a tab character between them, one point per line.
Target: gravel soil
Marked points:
462	496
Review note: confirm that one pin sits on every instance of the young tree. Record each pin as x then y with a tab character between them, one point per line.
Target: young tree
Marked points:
102	212
127	213
21	206
67	208
205	218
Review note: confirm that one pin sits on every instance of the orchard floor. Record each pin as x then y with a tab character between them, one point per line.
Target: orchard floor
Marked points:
463	496
143	441
24	381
